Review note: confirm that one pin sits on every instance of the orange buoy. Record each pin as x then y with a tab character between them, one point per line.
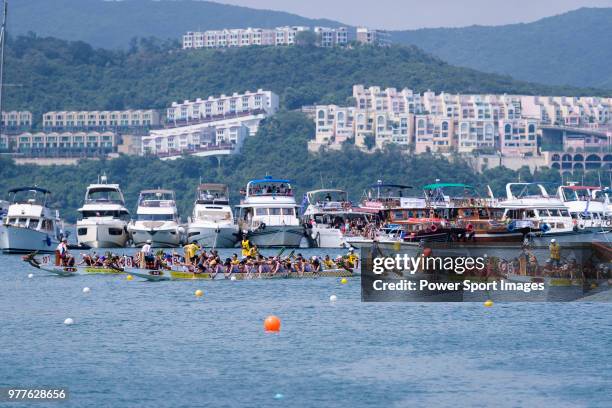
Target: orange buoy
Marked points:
272	324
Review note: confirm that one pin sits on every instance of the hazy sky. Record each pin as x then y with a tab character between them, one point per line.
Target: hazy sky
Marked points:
400	14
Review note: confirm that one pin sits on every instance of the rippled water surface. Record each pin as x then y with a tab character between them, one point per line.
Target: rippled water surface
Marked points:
157	345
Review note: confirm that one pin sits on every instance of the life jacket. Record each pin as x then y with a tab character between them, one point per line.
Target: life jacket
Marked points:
555	251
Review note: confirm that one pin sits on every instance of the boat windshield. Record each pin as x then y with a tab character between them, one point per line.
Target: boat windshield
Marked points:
33	196
209	215
328	198
103	213
104	195
155	217
156	199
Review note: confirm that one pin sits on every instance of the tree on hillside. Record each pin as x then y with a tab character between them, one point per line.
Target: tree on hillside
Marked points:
306	38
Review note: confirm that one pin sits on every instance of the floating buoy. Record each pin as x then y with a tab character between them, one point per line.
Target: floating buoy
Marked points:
233	278
69	321
86	290
272	324
278	396
333	298
199	293
344	281
427	252
129	277
488	303
30	275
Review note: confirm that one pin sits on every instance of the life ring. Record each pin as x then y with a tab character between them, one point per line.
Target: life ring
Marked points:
433	228
469	228
581	226
545	227
511	227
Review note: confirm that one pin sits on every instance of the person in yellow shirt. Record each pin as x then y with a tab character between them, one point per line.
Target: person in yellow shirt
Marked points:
190	252
253	252
352	259
328	263
246	247
555	253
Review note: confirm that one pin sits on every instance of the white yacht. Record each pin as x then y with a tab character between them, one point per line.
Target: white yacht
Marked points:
532	207
588	213
268	214
104	217
327	213
30	225
157	220
212	222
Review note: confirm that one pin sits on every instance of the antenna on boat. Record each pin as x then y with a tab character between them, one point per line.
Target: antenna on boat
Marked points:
2	41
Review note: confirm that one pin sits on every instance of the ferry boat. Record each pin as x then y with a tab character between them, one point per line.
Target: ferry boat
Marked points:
104	217
157	220
329	218
212	222
537	211
588	213
268	214
30	225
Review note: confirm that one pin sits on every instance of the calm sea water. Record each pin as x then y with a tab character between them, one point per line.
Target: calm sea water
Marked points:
157	345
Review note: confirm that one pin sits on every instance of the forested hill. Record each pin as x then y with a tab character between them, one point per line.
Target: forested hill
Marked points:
572	48
59	75
111	24
279	149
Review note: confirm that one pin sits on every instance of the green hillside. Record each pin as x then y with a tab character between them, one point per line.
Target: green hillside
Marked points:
59	75
279	149
111	24
571	48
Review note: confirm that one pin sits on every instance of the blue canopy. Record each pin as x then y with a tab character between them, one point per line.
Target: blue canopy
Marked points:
269	179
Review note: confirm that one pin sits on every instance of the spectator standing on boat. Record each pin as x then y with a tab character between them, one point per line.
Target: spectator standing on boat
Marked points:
145	254
555	253
352	259
190	252
246	246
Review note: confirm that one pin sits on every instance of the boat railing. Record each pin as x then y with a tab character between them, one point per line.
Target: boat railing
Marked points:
103	201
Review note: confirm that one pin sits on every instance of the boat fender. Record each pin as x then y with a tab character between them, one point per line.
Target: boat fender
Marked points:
512	226
262	226
469	228
545	227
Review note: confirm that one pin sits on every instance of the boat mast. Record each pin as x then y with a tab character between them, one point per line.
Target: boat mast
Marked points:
2	41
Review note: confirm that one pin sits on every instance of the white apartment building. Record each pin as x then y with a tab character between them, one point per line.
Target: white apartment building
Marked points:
371	36
258	104
16	120
246	37
194	138
331	37
444	122
62	141
142	118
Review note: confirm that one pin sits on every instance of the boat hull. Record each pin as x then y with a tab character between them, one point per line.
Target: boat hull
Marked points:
328	238
170	238
211	237
24	240
102	234
277	236
156	276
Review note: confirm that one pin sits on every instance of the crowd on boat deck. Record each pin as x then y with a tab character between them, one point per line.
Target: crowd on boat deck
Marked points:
269	189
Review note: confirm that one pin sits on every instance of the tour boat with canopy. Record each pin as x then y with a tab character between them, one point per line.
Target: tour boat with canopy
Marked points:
587	211
268	213
212	222
329	218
